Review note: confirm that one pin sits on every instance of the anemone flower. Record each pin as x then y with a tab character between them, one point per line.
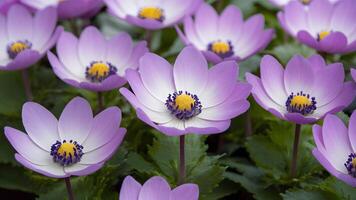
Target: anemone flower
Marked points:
225	37
305	91
67	8
158	189
93	62
324	26
336	147
282	3
77	144
189	97
24	38
152	14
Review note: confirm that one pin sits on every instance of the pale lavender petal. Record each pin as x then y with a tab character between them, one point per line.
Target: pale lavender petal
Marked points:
272	77
352	131
19	23
157	76
82	170
105	152
186	192
156	188
53	171
225	111
130	189
45	22
202	126
92	46
40	124
206	23
76	120
190	71
298	75
221	83
105	125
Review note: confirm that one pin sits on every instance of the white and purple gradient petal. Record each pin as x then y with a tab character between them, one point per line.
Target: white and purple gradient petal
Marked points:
76	123
312	76
19	25
221	96
75	56
244	38
333	20
156	188
173	11
334	143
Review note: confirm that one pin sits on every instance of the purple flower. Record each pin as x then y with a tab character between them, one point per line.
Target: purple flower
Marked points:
189	97
152	14
282	3
156	188
77	144
336	147
68	8
225	37
93	62
305	91
24	38
324	26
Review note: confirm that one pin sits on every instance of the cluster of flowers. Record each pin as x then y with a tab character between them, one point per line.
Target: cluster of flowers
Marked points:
188	97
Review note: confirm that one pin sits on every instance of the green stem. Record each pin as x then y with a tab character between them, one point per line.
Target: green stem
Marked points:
69	188
100	101
182	172
293	169
27	84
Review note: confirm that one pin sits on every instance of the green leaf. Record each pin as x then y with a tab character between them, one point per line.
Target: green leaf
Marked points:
308	194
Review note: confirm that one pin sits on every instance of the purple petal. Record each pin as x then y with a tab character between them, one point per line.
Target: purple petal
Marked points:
241	91
61	71
23	60
186	192
19	23
192	35
76	120
157	76
105	152
353	74
67	50
317	62
190	71
272	77
328	83
82	170
130	189
318	138
156	188
230	23
261	96
343	17
202	126
352	131
225	111
306	38
206	23
299	118
105	126
27	148
341	175
295	17
298	75
221	83
45	22
335	42
92	46
52	41
319	15
145	23
54	171
338	146
139	50
110	83
40	124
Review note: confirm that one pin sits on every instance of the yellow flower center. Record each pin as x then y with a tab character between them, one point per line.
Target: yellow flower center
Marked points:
353	162
301	101
323	34
67	149
98	71
184	102
151	12
17	47
305	1
220	47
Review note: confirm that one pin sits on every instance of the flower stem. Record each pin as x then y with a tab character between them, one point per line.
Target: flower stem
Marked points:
69	188
148	38
248	125
27	84
100	101
293	169
181	179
